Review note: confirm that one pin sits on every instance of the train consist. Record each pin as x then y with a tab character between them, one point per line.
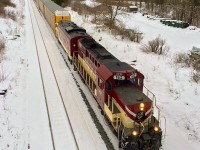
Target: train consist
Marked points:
117	87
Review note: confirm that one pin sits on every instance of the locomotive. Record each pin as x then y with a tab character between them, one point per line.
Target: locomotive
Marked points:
117	87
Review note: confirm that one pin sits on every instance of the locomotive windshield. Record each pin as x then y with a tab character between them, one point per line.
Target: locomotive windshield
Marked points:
127	79
121	79
122	82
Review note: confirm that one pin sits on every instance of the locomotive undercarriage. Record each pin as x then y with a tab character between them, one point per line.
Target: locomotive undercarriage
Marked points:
144	142
147	139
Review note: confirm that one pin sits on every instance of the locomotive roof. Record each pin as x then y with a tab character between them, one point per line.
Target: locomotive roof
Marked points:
53	7
98	50
103	56
131	95
118	66
72	29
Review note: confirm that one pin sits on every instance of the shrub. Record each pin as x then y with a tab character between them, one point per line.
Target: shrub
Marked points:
130	34
187	60
195	77
11	15
3	4
3	74
157	46
78	7
183	58
2	46
196	65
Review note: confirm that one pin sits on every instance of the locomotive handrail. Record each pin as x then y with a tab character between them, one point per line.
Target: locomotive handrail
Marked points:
154	100
165	127
142	128
158	110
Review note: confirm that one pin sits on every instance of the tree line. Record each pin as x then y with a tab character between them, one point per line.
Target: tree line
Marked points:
184	10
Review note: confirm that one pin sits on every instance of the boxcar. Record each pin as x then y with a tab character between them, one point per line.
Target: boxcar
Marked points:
41	3
54	14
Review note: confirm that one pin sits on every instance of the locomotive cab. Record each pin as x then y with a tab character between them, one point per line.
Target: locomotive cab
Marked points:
131	114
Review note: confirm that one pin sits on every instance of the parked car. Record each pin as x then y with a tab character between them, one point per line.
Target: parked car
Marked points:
192	27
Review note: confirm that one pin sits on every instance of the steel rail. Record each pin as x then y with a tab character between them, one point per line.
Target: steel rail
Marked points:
49	119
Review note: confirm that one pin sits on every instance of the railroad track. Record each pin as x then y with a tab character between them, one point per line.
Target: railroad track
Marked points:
52	93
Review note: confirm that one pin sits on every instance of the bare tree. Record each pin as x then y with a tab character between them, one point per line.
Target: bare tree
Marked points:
112	9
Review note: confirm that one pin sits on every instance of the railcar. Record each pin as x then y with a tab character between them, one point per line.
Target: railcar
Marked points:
40	4
68	34
53	13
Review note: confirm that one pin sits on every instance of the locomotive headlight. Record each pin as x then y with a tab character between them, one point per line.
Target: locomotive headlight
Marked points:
135	133
142	106
142	109
156	129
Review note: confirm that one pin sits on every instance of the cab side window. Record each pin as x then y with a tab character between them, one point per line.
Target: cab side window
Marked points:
140	81
108	86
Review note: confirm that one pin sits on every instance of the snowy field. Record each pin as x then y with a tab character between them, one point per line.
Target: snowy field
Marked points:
177	95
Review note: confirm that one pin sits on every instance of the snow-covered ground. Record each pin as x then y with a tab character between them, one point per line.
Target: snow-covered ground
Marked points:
178	96
179	40
13	67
